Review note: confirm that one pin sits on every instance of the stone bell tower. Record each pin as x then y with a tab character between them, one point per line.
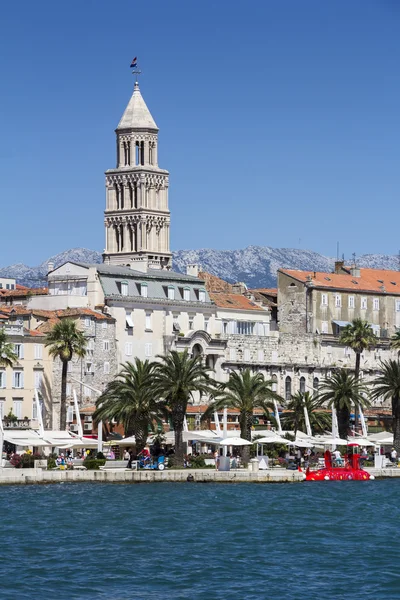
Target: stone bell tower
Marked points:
137	218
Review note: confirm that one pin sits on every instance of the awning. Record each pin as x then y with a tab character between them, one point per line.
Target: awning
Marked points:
341	323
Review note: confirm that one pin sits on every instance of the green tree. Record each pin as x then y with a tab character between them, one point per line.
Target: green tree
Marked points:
7	354
65	340
395	341
343	390
130	400
245	391
358	336
387	385
177	377
294	417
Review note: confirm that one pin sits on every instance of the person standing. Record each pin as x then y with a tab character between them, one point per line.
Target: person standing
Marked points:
393	456
216	458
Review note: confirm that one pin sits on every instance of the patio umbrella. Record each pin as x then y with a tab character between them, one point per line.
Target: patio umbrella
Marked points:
299	443
271	439
234	441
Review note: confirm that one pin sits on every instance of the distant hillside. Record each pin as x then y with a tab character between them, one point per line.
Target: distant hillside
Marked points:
255	265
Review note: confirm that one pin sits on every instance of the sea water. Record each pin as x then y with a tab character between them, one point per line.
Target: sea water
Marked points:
309	541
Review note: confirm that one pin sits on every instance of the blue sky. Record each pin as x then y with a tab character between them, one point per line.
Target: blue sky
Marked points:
279	121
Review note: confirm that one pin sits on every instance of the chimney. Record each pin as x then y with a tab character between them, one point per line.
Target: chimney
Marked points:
50	266
239	288
339	264
355	271
193	270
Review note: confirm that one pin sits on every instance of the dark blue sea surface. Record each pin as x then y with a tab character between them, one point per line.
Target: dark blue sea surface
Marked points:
201	541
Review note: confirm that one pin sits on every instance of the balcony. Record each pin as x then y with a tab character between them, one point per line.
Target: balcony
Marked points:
17	423
14	329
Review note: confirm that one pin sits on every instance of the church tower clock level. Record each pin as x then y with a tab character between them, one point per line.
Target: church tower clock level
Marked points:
137	218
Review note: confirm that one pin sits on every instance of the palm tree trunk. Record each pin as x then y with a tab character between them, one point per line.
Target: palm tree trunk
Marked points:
246	421
396	423
357	375
343	416
63	401
177	422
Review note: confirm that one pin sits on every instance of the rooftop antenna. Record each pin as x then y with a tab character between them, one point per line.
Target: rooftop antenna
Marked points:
354	259
136	71
337	250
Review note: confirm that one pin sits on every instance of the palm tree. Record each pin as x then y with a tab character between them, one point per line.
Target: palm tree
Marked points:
244	391
294	417
7	354
395	341
177	377
65	340
387	385
341	391
358	336
130	400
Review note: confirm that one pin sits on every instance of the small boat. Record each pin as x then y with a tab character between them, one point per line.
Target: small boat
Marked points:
350	471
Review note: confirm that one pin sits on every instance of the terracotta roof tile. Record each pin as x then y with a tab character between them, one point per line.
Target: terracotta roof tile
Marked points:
376	281
214	283
267	291
234	301
22	291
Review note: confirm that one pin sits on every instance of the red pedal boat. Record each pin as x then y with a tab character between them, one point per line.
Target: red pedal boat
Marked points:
351	471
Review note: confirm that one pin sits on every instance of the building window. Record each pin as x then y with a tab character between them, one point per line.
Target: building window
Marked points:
206	324
288	388
364	303
302	385
89	367
70	414
88	322
260	356
232	354
324	300
38	352
17	408
186	294
38	375
106	345
129	321
106	368
315	386
244	327
2	401
18	379
274	383
338	300
148	322
202	295
128	349
69	389
246	355
324	327
104	325
375	303
351	302
124	288
19	350
171	292
143	290
397	305
2	379
148	350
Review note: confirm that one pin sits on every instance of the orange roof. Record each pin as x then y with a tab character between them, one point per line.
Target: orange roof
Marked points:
201	408
268	291
34	333
23	291
71	312
15	310
214	283
378	281
234	301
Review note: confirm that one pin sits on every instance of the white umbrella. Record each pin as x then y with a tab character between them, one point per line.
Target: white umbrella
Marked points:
299	443
360	441
234	441
271	439
331	441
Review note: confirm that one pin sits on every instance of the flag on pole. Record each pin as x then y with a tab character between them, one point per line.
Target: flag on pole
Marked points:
134	63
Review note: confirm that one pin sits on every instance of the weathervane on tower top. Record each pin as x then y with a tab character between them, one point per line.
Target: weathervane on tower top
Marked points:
136	71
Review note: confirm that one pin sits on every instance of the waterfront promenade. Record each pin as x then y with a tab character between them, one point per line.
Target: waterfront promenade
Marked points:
32	476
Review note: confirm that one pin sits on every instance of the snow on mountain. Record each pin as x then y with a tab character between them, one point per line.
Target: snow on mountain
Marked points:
255	265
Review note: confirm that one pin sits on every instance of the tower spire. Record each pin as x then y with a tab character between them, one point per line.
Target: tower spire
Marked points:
137	217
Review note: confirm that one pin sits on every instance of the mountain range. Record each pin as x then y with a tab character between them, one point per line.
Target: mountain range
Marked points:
255	265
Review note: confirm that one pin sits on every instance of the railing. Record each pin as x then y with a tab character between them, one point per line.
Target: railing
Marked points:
16	424
14	329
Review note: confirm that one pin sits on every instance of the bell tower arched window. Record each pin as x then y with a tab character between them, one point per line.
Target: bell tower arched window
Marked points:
288	388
